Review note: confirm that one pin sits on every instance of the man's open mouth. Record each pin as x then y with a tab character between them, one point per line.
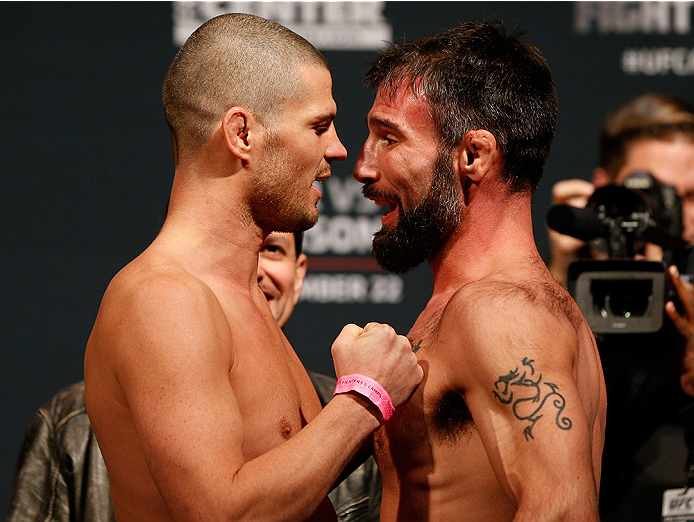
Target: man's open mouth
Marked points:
392	207
381	199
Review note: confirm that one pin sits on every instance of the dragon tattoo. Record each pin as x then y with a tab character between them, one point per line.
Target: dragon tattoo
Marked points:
529	397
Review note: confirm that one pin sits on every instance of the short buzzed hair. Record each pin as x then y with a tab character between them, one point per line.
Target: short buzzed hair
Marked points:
232	60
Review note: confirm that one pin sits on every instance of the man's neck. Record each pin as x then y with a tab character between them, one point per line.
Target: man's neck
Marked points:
209	232
492	238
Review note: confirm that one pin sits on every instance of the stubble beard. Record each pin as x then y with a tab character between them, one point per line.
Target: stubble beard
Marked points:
276	204
421	231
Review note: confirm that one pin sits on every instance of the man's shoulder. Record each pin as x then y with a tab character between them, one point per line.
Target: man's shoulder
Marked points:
150	307
151	269
494	311
491	326
513	294
155	284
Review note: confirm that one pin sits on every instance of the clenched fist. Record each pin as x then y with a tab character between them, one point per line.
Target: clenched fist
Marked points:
378	352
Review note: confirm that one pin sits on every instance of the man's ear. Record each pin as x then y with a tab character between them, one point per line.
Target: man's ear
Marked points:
300	267
476	154
238	126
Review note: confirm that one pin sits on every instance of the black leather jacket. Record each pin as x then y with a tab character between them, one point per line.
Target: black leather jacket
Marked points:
61	475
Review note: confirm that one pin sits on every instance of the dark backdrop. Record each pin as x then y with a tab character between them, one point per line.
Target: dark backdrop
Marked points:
85	161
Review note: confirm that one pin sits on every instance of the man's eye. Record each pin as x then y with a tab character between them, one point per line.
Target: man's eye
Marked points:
272	250
388	140
321	129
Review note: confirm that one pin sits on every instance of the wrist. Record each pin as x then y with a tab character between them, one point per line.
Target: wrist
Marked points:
369	389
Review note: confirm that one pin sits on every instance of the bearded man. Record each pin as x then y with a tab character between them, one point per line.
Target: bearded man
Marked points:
508	423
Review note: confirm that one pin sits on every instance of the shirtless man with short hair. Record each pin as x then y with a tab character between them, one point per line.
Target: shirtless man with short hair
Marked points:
508	423
201	408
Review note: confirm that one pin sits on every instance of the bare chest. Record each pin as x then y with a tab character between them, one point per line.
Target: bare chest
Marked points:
274	394
430	454
434	421
436	418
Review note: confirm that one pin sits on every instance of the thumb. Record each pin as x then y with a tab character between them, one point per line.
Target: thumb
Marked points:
351	331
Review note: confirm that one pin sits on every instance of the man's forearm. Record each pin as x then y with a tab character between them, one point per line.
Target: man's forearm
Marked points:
290	481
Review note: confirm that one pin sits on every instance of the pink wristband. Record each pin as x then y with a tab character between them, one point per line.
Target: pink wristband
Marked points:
368	388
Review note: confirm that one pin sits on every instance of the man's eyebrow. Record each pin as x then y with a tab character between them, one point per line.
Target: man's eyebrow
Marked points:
327	116
375	121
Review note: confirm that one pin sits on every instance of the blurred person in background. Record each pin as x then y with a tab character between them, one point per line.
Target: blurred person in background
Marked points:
647	446
653	133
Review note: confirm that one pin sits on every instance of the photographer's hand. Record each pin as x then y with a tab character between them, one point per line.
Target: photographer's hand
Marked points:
564	249
685	325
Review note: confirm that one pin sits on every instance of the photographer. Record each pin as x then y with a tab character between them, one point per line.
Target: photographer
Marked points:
645	451
652	133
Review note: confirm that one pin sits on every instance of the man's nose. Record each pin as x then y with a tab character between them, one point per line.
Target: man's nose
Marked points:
365	168
336	151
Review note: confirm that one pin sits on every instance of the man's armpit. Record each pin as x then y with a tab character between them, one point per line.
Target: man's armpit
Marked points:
530	398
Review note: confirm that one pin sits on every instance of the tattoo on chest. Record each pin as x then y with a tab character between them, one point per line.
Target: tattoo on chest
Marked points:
530	397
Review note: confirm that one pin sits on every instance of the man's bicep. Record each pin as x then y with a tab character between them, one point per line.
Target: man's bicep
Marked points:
529	401
527	409
174	374
535	433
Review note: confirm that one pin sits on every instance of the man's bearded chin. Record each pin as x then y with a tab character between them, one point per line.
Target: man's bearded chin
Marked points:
421	231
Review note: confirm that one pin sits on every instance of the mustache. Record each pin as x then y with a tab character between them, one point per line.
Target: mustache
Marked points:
324	168
372	192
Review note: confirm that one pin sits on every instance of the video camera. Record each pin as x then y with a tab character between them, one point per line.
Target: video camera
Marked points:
619	294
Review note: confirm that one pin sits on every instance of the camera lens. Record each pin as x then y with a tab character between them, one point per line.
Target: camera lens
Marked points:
622	298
